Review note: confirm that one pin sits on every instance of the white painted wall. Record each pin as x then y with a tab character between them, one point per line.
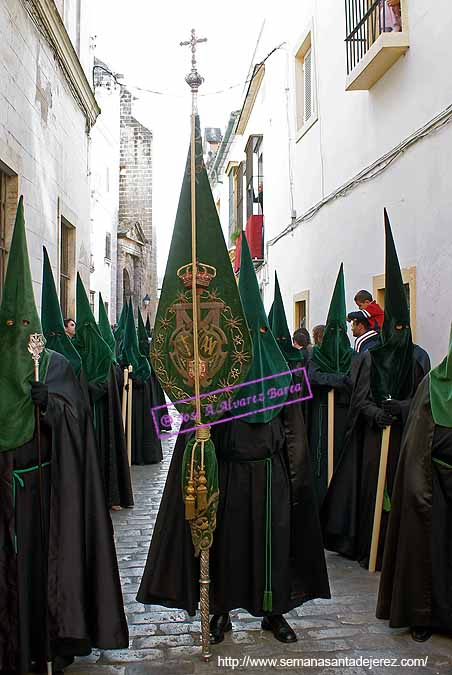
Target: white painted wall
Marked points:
105	150
352	131
43	140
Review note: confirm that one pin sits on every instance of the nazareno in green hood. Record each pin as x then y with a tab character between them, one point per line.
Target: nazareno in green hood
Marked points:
18	320
52	319
334	355
268	378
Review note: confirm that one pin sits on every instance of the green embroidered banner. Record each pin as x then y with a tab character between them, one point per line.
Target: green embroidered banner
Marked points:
225	350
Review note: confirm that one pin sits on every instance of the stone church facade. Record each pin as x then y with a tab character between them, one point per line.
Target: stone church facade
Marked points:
136	254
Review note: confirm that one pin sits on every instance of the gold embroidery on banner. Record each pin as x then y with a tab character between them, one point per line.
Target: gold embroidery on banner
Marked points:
218	328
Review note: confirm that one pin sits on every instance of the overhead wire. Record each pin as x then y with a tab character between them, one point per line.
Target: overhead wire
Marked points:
371	171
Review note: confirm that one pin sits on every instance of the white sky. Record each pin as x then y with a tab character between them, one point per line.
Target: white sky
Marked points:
141	40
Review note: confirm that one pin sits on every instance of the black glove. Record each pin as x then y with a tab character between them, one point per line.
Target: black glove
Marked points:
383	419
392	407
40	395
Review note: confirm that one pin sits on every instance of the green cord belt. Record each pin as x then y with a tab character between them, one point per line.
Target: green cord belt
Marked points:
17	478
441	463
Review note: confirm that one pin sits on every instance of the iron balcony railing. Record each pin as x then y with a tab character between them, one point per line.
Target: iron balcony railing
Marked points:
365	20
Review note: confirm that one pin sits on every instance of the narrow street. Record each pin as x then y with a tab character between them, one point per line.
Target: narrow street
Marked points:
165	642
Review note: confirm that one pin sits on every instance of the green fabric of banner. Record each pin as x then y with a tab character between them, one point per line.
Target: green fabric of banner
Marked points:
279	327
334	355
225	351
441	390
266	395
392	362
96	355
18	320
52	319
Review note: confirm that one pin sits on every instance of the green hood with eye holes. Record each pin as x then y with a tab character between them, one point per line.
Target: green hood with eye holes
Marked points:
334	355
392	363
52	319
18	320
268	359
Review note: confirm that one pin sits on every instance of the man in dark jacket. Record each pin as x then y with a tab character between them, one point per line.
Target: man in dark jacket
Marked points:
329	369
365	337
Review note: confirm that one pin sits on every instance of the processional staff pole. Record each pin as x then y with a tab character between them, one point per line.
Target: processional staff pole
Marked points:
194	81
385	438
129	414
330	435
36	347
124	398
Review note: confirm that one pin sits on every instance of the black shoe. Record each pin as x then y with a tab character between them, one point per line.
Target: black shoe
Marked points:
279	627
420	633
219	625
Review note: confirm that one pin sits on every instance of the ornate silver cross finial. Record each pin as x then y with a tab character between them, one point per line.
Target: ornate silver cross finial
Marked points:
193	79
35	347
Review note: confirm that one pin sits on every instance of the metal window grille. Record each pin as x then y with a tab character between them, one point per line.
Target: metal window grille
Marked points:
307	86
108	245
92	299
239	217
254	176
365	20
231	205
64	269
3	250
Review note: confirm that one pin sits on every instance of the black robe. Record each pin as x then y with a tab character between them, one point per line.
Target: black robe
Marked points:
348	510
85	606
171	576
321	384
416	580
146	444
106	410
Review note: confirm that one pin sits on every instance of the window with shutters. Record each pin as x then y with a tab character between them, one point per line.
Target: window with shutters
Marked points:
107	246
92	300
305	86
254	176
67	268
239	203
231	228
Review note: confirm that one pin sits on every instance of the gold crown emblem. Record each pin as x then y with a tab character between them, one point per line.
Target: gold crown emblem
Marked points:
204	274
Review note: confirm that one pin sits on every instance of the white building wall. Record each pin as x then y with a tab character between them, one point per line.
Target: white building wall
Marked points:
105	149
353	130
43	140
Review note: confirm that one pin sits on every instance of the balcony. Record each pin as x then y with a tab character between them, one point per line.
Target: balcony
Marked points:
377	36
255	239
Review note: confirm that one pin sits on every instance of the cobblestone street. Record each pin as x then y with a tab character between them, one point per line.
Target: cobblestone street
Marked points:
166	642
